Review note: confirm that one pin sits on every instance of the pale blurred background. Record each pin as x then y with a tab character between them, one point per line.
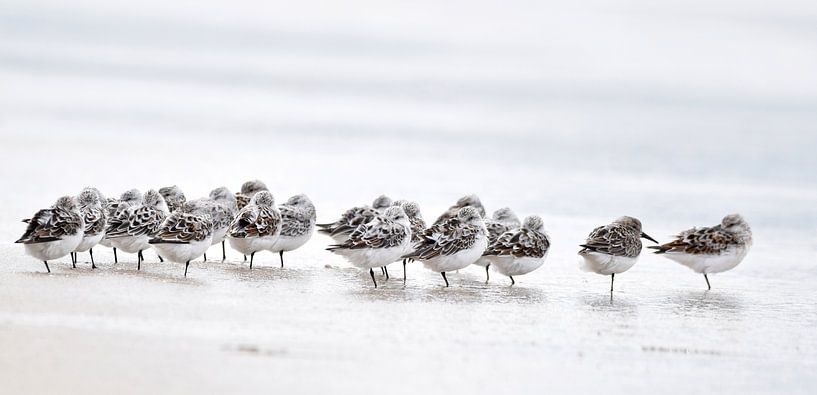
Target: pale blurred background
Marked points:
677	112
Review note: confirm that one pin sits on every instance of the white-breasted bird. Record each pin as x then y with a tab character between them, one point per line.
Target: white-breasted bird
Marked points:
519	251
54	232
256	227
377	243
613	248
452	244
712	249
131	229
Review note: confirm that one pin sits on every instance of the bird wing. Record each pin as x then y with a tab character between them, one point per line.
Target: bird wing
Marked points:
378	233
95	220
519	243
613	239
253	221
294	221
50	225
446	238
706	240
184	228
140	221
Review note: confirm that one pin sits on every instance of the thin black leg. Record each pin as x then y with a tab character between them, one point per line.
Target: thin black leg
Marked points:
245	258
446	280
223	252
487	274
205	257
512	282
386	270
186	265
383	270
612	279
404	270
371	273
162	260
139	260
93	265
46	266
251	258
115	260
281	254
74	260
708	287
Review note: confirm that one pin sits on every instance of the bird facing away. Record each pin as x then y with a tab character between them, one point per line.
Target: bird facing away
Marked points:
501	221
712	249
54	232
297	226
353	217
256	227
173	196
453	244
183	237
521	250
131	197
377	243
465	201
248	190
95	217
131	229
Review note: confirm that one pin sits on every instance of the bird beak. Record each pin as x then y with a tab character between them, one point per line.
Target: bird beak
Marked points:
646	236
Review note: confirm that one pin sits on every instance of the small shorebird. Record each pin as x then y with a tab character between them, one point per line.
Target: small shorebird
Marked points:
95	218
131	229
183	237
381	241
220	216
500	222
613	248
54	232
712	249
256	227
174	197
521	250
349	221
297	226
453	244
114	208
248	190
418	226
465	201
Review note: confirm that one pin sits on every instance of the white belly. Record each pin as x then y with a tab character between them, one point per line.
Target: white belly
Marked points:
54	249
288	243
511	266
89	242
219	234
709	263
483	261
605	264
367	258
249	245
460	260
131	244
181	253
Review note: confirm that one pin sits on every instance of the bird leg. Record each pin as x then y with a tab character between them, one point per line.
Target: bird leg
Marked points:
371	273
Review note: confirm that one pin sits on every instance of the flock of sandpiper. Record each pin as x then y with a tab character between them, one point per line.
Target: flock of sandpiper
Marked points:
369	237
